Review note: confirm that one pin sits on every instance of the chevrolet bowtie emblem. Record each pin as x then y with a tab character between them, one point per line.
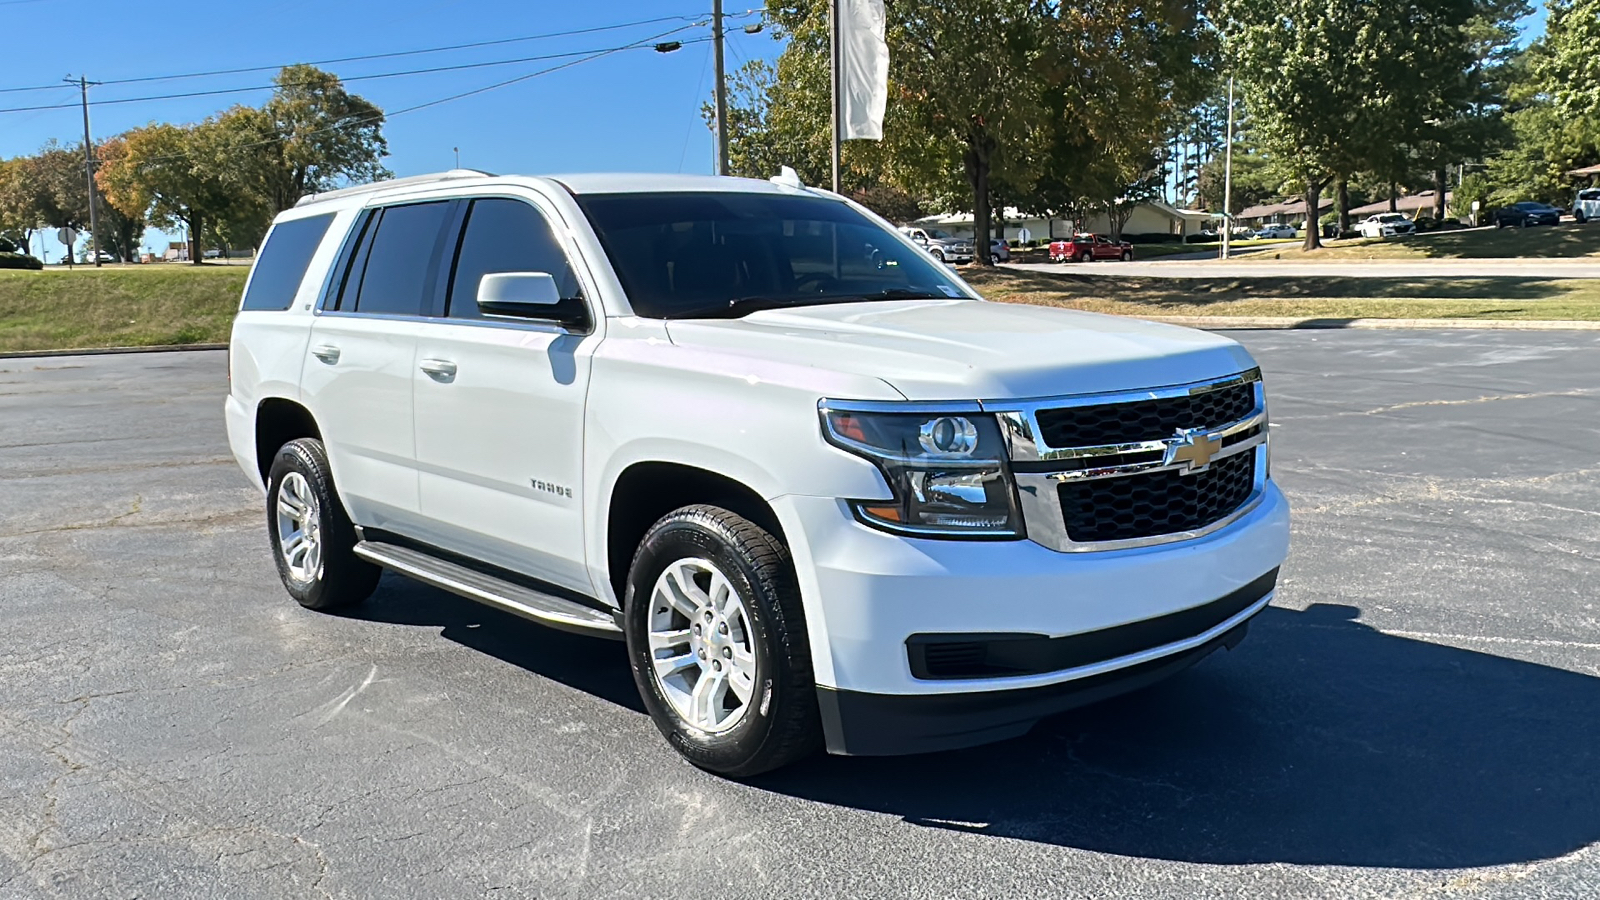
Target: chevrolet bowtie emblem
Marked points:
1195	448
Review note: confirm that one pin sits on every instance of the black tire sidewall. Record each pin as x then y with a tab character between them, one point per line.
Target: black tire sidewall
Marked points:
681	536
345	579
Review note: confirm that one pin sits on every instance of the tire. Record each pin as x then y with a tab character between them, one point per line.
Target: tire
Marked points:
938	254
1127	256
776	722
1086	256
328	575
1579	217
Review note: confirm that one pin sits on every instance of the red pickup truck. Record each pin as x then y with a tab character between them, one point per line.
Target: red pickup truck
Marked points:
1090	247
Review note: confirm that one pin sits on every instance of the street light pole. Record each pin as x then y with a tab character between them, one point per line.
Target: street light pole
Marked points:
1227	182
88	167
722	89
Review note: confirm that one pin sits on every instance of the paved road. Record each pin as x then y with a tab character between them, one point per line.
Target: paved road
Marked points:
1417	715
1421	268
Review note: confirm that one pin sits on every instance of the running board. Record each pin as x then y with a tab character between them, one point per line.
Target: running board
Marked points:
546	609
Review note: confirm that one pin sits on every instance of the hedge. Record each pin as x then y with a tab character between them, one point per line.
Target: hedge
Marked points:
19	261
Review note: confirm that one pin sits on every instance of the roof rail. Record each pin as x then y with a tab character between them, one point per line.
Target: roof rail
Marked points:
393	183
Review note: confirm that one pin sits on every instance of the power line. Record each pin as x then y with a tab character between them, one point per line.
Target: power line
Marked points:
359	119
266	87
471	45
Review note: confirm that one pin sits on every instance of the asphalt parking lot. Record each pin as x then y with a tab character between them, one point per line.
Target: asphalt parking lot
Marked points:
1418	714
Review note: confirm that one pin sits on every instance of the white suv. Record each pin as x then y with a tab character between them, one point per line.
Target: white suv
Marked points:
827	495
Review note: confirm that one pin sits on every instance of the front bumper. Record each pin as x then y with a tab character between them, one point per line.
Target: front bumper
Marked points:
861	724
868	594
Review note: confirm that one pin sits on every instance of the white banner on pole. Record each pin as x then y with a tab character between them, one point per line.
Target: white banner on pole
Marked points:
863	69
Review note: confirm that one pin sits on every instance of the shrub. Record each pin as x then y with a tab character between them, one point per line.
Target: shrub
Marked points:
1202	238
7	246
1152	237
10	260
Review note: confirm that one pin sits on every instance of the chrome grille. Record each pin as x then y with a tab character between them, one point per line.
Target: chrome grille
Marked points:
1110	471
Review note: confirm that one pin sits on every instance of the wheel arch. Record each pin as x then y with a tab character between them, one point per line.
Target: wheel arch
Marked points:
647	490
279	421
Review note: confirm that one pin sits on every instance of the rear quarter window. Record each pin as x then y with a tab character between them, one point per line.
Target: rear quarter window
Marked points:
283	262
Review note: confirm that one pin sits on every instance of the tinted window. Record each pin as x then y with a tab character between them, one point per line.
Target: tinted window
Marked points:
403	257
507	236
283	262
729	254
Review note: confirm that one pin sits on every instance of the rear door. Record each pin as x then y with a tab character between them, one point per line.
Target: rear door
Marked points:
499	404
357	377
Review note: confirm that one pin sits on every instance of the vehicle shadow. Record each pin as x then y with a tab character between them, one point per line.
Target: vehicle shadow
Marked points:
1318	741
596	666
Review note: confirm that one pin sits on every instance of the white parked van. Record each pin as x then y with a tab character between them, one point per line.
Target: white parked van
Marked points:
1587	205
828	495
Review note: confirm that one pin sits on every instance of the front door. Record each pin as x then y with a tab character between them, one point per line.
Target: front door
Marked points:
499	408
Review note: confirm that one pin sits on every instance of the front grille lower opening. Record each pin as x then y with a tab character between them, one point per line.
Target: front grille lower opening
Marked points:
1152	504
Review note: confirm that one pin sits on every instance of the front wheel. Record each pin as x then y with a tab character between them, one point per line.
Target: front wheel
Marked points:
939	255
1086	256
1127	256
717	642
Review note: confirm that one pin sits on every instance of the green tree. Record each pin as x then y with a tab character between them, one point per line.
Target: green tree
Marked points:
1336	87
24	203
121	229
172	174
311	136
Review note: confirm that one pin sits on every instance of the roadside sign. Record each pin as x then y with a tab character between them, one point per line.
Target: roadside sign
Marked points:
68	236
1024	235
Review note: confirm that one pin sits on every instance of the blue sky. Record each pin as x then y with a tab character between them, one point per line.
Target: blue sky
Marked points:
636	110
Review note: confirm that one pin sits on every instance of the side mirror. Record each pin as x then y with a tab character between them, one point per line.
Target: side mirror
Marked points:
919	238
523	294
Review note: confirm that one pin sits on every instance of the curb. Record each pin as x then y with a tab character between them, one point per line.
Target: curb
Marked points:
108	351
1228	323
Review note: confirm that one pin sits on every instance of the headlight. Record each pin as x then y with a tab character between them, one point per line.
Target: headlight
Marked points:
947	471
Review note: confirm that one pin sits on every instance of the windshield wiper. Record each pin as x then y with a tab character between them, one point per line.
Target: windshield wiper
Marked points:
909	294
739	307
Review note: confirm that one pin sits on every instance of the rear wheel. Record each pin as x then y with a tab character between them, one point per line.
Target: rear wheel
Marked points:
312	538
717	642
1086	256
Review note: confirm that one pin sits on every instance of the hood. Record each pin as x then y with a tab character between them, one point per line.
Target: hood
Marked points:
972	349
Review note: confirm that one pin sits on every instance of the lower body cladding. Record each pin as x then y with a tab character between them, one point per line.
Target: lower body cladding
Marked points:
923	645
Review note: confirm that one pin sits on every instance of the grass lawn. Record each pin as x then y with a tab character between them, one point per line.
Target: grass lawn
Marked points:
118	306
1564	241
1331	298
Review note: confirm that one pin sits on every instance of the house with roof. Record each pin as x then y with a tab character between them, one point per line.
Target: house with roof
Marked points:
1153	217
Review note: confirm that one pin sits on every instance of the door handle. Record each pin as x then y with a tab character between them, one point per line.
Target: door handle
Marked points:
441	369
328	353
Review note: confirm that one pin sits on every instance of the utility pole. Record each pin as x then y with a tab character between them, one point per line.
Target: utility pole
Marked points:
1227	182
722	89
833	80
88	167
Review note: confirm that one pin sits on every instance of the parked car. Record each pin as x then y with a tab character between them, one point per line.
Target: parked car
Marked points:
1090	247
1587	205
1526	213
1270	232
999	250
689	413
1385	225
941	245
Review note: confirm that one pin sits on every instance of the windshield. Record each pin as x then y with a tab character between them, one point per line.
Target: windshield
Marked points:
1391	217
716	253
936	233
